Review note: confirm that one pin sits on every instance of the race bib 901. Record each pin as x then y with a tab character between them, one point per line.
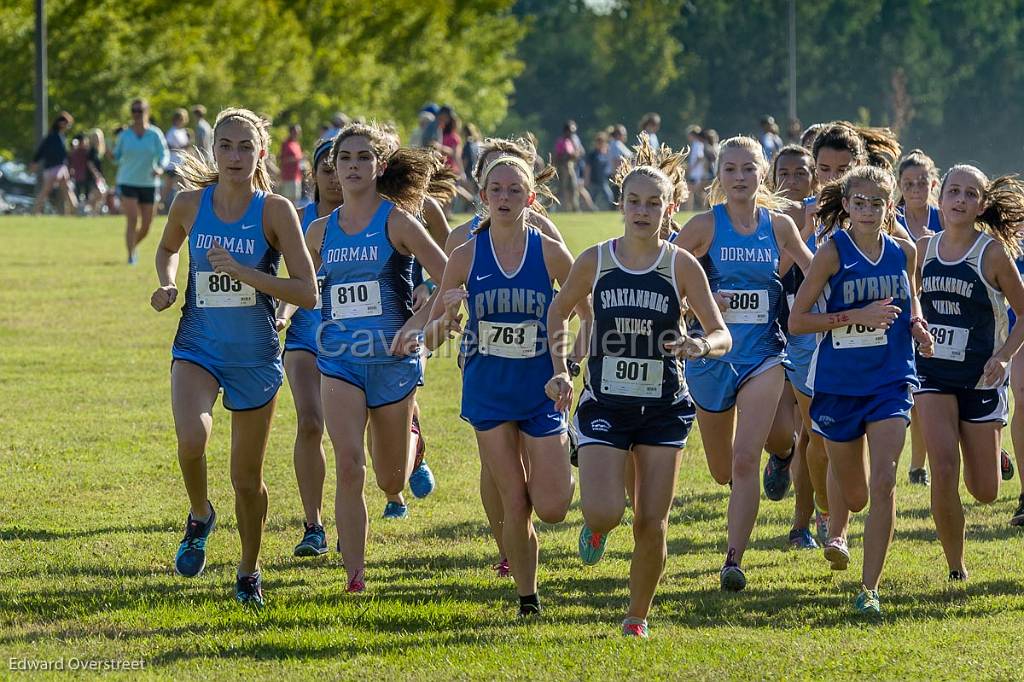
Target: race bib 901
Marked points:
746	306
950	343
221	290
632	377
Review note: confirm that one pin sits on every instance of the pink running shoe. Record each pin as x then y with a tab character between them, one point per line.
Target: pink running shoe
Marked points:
502	568
837	553
356	584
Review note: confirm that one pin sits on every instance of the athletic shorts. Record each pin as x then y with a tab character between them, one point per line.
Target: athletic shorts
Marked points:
55	174
143	195
384	383
546	423
245	388
714	384
798	367
842	418
975	405
622	427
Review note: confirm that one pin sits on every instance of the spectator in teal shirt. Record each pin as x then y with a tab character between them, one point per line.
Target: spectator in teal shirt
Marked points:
141	154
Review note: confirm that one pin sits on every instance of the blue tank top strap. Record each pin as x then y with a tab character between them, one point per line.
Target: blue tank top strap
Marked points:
882	358
225	322
506	349
747	266
367	291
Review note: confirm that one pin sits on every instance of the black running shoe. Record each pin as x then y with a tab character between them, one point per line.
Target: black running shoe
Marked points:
957	576
191	557
1005	465
314	541
249	590
776	476
919	476
1018	516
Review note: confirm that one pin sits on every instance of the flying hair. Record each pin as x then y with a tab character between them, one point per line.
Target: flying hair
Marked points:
765	197
408	174
872	146
1003	215
665	167
830	199
524	164
526	149
195	171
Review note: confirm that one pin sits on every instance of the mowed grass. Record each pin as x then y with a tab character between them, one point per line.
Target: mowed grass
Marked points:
92	507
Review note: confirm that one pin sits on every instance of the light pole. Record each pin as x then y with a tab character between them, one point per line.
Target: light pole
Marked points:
41	84
792	60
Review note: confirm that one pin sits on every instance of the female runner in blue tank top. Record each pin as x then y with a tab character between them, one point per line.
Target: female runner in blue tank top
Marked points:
507	270
303	375
535	217
740	242
967	275
236	232
918	181
868	318
793	177
368	339
635	403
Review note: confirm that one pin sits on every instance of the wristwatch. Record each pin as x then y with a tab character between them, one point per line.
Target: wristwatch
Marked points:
574	368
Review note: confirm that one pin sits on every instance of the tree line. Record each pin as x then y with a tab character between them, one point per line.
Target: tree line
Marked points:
946	74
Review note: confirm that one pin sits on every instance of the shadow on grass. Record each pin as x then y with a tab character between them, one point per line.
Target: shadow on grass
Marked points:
447	609
10	533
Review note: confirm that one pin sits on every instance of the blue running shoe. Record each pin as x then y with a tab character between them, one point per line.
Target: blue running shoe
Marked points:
191	557
591	545
393	510
314	542
421	482
249	590
801	538
776	476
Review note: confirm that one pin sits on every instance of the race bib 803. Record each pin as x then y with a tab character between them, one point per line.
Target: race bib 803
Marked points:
221	290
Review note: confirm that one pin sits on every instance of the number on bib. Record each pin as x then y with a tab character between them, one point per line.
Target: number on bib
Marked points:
857	336
950	342
355	299
508	339
632	377
221	290
319	292
747	306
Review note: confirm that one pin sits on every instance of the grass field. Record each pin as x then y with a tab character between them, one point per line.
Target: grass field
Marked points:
92	506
